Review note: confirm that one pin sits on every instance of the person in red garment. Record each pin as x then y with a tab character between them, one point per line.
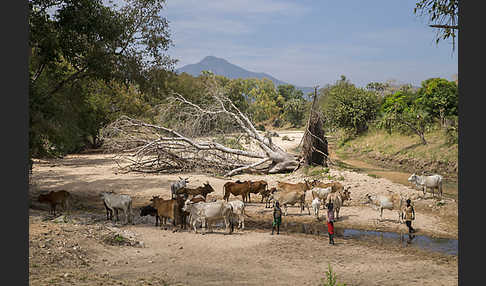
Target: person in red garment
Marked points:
330	223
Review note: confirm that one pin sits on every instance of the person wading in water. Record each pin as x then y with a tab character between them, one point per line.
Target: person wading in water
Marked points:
330	223
277	217
409	214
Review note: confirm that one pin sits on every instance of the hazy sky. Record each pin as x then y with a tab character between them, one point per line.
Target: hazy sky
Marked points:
306	43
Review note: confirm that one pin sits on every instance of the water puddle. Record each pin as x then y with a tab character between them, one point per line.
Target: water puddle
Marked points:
442	245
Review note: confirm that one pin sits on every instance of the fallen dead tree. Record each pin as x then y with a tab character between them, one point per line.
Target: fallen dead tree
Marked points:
145	147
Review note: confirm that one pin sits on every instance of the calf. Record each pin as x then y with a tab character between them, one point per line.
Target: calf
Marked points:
116	202
316	203
321	194
56	198
239	212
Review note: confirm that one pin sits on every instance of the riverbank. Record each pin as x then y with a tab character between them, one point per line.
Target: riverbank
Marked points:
400	152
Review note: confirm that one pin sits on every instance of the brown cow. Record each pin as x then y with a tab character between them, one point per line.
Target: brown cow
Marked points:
335	186
236	188
167	209
56	198
257	187
204	190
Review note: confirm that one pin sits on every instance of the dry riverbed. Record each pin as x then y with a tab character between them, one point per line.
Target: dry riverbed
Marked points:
85	249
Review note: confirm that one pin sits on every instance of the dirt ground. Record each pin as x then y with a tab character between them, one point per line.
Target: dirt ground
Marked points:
85	249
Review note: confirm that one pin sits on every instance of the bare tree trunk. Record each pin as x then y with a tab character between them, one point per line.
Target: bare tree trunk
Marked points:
315	149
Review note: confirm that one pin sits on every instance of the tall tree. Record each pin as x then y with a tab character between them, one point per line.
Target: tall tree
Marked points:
74	42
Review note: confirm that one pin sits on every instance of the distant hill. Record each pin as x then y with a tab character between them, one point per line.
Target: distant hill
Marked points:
224	68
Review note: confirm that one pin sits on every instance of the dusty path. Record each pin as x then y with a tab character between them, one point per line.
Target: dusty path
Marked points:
251	257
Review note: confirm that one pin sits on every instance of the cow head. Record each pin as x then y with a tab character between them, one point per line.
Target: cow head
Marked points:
412	178
208	188
185	180
187	205
368	198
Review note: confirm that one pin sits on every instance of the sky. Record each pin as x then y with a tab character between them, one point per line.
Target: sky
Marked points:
308	43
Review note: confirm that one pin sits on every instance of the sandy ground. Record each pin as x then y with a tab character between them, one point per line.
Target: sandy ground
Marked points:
77	253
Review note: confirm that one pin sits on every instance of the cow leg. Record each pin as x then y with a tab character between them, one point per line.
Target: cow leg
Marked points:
381	213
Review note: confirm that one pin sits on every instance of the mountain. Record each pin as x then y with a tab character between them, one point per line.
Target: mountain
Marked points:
224	68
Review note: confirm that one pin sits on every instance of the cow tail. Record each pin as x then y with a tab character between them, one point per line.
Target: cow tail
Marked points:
224	193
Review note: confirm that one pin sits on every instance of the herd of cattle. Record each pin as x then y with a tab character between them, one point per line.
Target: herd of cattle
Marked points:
191	207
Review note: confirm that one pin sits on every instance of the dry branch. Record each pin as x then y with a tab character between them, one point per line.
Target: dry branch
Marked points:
154	148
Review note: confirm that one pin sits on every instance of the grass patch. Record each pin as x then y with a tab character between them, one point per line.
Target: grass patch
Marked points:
374	176
408	146
330	279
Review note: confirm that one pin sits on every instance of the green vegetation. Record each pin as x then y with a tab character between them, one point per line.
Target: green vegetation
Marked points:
91	62
315	171
330	279
349	108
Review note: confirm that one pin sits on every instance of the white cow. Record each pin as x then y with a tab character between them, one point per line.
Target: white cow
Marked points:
389	202
290	198
114	202
208	213
321	193
316	203
174	187
239	211
432	182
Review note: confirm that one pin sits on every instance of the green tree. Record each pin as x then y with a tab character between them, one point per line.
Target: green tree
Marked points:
294	111
75	42
439	97
400	112
263	97
349	107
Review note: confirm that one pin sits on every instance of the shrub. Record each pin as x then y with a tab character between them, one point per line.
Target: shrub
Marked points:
330	279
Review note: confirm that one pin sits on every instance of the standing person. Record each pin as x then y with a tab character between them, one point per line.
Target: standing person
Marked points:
330	222
409	214
277	217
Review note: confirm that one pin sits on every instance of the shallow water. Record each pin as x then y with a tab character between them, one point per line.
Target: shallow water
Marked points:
441	245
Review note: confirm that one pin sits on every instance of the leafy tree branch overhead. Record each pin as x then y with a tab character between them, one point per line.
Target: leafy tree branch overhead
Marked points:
441	14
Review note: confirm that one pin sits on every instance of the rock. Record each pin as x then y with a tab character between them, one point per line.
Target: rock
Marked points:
66	275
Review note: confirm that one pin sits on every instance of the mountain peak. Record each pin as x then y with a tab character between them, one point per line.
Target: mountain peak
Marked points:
222	67
213	59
